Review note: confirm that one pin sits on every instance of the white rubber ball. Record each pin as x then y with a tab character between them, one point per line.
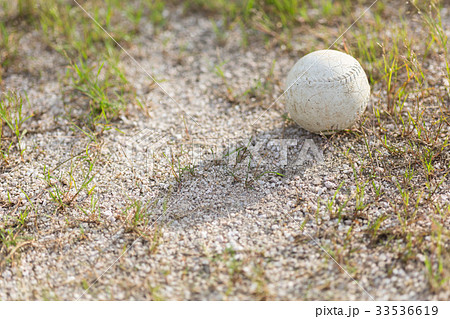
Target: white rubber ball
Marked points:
327	90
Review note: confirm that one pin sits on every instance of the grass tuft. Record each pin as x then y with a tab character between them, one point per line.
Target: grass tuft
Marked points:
12	118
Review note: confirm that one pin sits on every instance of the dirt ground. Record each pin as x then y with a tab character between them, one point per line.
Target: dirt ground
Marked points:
217	195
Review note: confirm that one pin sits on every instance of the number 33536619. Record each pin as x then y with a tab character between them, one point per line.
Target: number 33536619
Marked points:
403	310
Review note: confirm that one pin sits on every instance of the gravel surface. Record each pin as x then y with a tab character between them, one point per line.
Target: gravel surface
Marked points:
225	226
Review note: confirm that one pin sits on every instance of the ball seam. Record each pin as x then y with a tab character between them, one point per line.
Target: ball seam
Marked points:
354	71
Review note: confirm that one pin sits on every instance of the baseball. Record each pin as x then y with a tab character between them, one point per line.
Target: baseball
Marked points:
327	90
